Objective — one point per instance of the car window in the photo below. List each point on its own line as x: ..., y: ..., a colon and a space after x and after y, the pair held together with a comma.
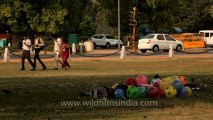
x: 97, y: 36
x: 101, y: 37
x: 169, y: 38
x: 202, y: 33
x: 148, y: 37
x: 109, y: 37
x: 206, y: 34
x: 160, y: 37
x: 94, y: 36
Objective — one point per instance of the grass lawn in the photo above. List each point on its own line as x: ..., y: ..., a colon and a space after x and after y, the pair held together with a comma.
x: 38, y: 95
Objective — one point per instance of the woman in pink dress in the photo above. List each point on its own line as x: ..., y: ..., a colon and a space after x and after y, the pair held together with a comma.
x: 65, y: 53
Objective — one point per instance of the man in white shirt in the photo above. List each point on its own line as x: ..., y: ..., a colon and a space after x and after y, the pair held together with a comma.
x: 26, y: 47
x: 38, y: 44
x: 57, y: 51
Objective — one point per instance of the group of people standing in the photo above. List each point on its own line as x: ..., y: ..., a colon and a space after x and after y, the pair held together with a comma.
x: 61, y: 48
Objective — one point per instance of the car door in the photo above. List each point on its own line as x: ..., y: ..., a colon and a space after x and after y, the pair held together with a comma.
x: 94, y: 39
x: 97, y: 40
x: 102, y: 40
x: 170, y: 41
x: 161, y: 42
x: 210, y: 39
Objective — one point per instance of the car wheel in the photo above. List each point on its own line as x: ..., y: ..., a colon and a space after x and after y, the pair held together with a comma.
x: 179, y: 48
x: 94, y: 45
x: 155, y: 48
x: 143, y: 51
x: 108, y: 45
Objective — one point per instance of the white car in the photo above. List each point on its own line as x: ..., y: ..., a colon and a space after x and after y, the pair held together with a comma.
x: 156, y: 42
x: 105, y: 40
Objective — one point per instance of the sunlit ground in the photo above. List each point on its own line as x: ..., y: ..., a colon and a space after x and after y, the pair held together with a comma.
x: 38, y: 94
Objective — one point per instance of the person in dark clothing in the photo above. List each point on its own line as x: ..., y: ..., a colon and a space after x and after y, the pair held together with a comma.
x: 26, y: 47
x: 39, y: 43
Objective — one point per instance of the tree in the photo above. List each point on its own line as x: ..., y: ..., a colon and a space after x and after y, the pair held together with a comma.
x: 12, y: 18
x: 12, y: 14
x: 88, y: 25
x: 76, y: 10
x: 162, y: 17
x: 46, y: 15
x: 111, y: 12
x: 153, y: 12
x: 194, y: 15
x: 26, y: 16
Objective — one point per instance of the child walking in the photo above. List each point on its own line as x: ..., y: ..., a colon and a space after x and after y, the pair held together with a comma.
x: 65, y: 53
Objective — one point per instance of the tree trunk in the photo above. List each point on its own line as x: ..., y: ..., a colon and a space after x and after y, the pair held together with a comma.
x: 16, y: 42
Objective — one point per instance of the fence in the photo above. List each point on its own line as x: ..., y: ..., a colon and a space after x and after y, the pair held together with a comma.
x: 122, y: 52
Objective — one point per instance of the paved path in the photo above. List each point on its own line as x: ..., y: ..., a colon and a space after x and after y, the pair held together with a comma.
x: 102, y: 52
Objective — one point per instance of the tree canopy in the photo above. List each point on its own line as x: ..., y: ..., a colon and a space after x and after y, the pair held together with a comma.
x: 85, y: 16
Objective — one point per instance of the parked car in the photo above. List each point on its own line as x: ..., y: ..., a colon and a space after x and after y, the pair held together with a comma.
x: 156, y: 42
x: 105, y: 40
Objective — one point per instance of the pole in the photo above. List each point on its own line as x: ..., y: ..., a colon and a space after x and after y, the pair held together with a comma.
x: 6, y: 55
x: 123, y: 52
x: 134, y: 30
x: 119, y: 25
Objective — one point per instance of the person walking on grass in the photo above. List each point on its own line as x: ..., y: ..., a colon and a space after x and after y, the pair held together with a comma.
x: 65, y: 53
x: 39, y: 44
x: 26, y: 47
x: 57, y: 51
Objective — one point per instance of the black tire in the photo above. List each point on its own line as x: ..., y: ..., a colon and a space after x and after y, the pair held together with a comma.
x: 108, y: 45
x: 155, y: 48
x: 94, y: 45
x: 143, y: 51
x: 179, y: 48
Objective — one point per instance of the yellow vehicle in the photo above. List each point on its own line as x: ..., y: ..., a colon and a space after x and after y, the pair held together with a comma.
x: 191, y: 40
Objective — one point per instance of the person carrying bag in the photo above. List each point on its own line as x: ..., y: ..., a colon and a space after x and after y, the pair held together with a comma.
x: 39, y: 45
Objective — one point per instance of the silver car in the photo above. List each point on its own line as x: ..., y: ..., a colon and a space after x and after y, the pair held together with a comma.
x: 105, y: 40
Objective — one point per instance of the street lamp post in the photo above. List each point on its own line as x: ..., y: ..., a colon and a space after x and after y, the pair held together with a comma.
x: 119, y: 25
x: 134, y: 29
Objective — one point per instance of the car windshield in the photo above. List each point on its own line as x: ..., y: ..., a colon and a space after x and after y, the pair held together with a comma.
x: 148, y: 37
x: 109, y: 37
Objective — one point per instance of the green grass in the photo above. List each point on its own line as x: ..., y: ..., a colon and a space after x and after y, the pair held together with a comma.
x: 37, y: 94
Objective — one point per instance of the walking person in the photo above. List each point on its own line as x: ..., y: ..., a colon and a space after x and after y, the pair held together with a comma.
x: 39, y: 44
x: 57, y: 51
x: 26, y: 47
x: 65, y: 53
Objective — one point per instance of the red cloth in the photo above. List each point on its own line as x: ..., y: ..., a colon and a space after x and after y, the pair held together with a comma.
x: 65, y: 47
x: 65, y: 54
